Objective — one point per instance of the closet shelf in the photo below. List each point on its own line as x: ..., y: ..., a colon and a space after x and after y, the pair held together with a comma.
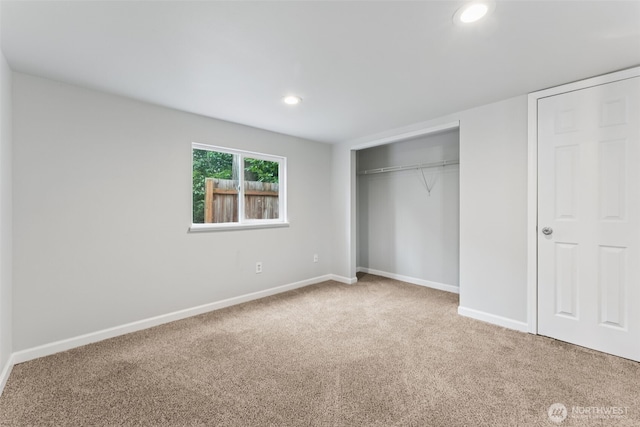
x: 417, y: 166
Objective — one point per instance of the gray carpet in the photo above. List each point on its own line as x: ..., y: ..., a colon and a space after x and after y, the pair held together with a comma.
x: 378, y: 353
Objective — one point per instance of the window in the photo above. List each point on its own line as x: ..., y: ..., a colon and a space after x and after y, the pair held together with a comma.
x: 237, y: 189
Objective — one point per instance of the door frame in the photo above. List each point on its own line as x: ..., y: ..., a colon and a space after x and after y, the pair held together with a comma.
x: 532, y: 181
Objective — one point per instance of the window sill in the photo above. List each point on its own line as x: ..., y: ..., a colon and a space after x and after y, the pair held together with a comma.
x: 197, y: 228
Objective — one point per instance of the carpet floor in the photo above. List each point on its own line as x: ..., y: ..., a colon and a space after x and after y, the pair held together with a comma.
x: 378, y: 353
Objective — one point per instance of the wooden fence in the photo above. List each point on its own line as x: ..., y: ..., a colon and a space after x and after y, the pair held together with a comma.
x: 221, y: 200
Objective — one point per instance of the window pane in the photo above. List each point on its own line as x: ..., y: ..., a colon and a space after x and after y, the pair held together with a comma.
x: 261, y: 189
x: 215, y: 187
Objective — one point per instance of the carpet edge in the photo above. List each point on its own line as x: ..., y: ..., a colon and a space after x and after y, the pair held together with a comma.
x: 415, y: 281
x: 6, y: 371
x: 493, y: 319
x: 103, y: 334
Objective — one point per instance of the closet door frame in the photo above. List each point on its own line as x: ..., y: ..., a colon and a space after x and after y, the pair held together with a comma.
x: 532, y: 185
x: 421, y: 131
x: 408, y: 135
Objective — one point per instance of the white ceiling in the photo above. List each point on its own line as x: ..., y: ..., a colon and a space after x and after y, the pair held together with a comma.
x: 361, y: 67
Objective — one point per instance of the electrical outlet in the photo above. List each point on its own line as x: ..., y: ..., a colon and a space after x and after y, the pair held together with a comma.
x: 258, y: 267
x: 315, y: 257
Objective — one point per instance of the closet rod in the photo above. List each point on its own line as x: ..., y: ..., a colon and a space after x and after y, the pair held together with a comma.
x: 401, y: 168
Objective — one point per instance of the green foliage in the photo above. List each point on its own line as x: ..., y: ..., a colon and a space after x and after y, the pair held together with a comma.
x: 260, y: 170
x: 214, y: 164
x: 208, y: 164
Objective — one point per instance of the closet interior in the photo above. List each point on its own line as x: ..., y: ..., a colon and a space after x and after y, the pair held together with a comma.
x: 408, y: 203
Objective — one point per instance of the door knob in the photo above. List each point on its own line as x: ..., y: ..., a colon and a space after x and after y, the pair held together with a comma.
x: 547, y: 231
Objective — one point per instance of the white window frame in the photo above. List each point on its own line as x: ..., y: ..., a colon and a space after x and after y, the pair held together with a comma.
x: 244, y: 223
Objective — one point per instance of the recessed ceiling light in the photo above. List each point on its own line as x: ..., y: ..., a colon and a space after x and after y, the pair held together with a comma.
x: 473, y: 11
x: 292, y: 100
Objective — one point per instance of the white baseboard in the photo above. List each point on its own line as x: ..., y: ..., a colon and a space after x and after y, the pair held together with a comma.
x: 69, y: 343
x: 413, y: 280
x: 494, y: 319
x: 342, y: 279
x: 6, y: 371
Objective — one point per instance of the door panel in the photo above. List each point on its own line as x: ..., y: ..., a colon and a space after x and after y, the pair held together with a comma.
x: 566, y: 279
x: 567, y: 161
x: 589, y: 194
x: 612, y: 177
x: 613, y: 285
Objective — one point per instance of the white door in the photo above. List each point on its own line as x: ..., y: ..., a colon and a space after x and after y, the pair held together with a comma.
x: 589, y: 203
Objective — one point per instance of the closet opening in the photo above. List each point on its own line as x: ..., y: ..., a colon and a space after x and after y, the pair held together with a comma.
x: 408, y: 210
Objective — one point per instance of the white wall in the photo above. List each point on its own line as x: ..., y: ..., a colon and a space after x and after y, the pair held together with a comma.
x: 402, y: 229
x: 493, y: 207
x: 5, y: 212
x: 343, y: 236
x: 102, y: 204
